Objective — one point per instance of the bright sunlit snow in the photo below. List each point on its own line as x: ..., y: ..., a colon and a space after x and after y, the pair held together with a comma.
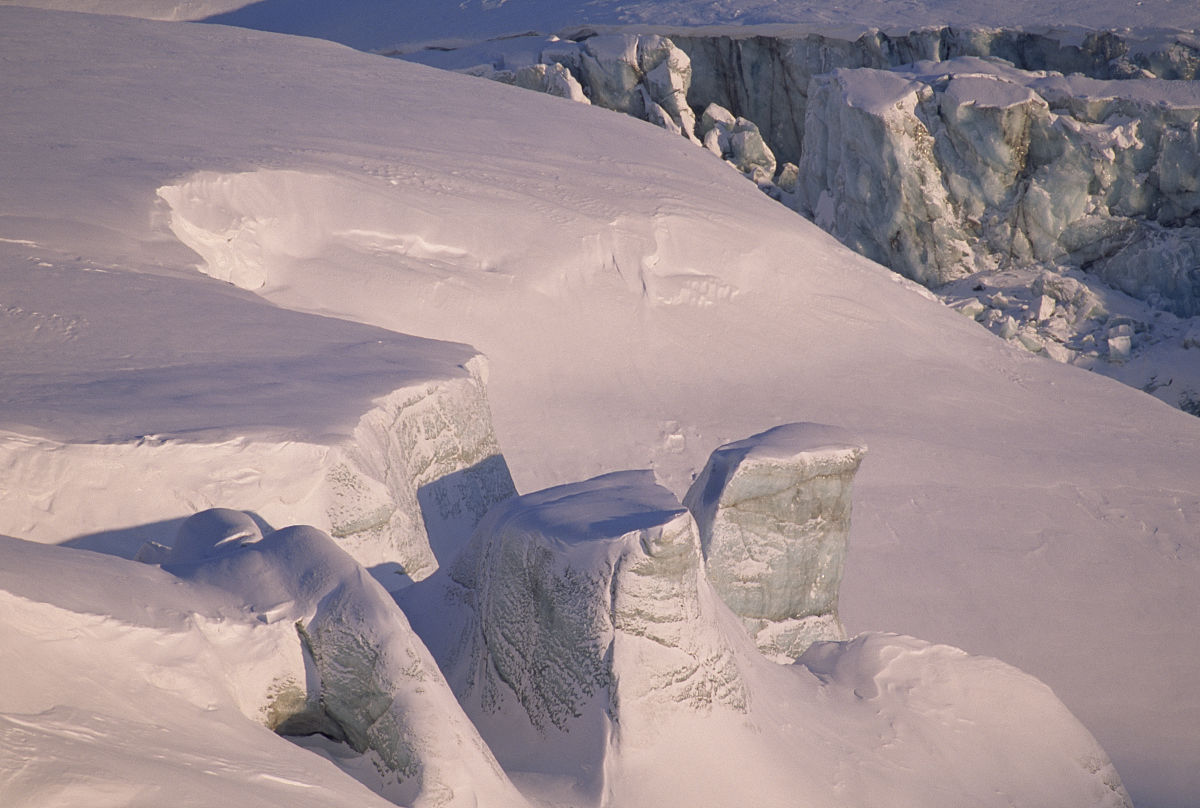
x: 215, y: 244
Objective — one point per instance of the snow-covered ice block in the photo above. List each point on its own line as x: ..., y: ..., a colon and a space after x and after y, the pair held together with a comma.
x: 972, y: 307
x: 1120, y: 347
x: 368, y: 680
x: 774, y: 514
x: 871, y: 177
x: 581, y: 609
x: 161, y: 396
x: 1042, y: 308
x: 1022, y: 167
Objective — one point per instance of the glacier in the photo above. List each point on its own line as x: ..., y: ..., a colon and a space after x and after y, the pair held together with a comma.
x: 584, y: 633
x: 639, y: 305
x: 383, y: 440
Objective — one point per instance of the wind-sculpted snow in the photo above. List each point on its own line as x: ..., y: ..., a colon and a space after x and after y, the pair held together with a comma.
x: 773, y: 512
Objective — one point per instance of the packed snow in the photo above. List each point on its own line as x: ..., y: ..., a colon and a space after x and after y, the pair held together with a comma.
x: 639, y: 305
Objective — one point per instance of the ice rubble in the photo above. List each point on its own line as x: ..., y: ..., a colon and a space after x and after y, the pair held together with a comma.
x: 773, y: 513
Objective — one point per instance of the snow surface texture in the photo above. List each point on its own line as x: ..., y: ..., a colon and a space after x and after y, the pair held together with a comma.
x: 639, y: 303
x: 581, y: 634
x: 773, y: 513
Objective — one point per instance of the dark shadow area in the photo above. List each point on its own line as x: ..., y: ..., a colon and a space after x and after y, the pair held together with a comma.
x: 453, y: 505
x: 125, y: 542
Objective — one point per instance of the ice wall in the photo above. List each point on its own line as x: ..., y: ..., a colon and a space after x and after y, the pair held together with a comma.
x: 926, y: 151
x: 420, y: 471
x: 944, y: 169
x: 581, y: 609
x: 773, y: 512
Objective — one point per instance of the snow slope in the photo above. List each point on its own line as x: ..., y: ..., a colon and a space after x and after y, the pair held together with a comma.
x: 640, y: 305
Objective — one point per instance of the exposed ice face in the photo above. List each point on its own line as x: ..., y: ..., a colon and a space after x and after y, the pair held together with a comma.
x: 774, y: 515
x: 422, y: 469
x: 729, y: 69
x: 1028, y: 168
x: 643, y: 75
x: 577, y: 613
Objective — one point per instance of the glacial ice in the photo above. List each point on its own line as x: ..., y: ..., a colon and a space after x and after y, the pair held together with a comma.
x: 576, y: 611
x: 773, y: 512
x: 1015, y: 164
x: 582, y: 633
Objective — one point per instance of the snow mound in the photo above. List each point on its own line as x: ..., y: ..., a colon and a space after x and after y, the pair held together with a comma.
x: 913, y: 687
x: 773, y: 512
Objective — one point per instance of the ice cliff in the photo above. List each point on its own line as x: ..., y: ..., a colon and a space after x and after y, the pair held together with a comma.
x: 943, y: 169
x: 773, y: 513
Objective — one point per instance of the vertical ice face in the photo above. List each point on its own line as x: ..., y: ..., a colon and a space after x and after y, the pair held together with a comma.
x: 1030, y: 169
x: 422, y: 469
x: 870, y: 175
x: 774, y: 515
